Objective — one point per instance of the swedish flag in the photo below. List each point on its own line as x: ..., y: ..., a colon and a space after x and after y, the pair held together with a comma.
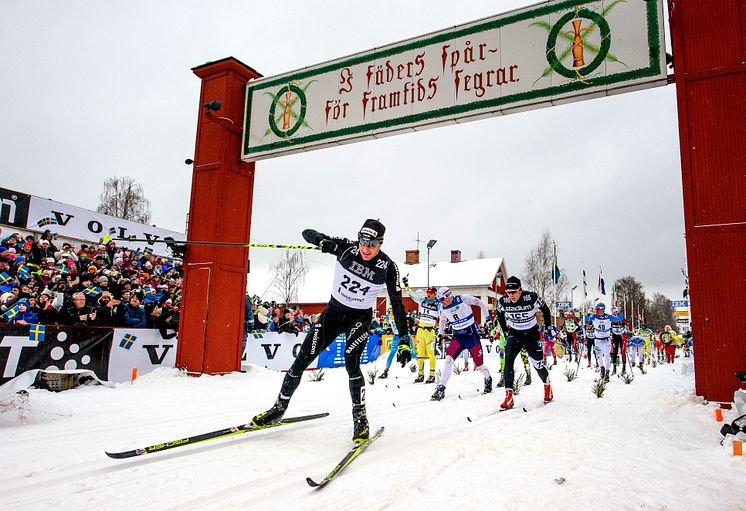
x: 47, y: 221
x: 12, y: 312
x: 257, y: 335
x: 5, y: 278
x: 23, y: 273
x: 63, y: 269
x: 127, y: 341
x: 148, y: 250
x: 92, y: 291
x: 36, y: 333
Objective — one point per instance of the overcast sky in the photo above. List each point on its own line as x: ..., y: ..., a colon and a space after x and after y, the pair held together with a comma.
x: 97, y: 88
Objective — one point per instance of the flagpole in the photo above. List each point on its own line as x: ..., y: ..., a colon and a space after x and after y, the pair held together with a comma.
x: 554, y: 282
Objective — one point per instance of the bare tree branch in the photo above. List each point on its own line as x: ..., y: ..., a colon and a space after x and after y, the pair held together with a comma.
x: 290, y: 274
x: 124, y: 198
x: 537, y: 273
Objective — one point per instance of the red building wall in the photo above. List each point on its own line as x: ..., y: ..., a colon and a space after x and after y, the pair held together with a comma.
x: 709, y: 49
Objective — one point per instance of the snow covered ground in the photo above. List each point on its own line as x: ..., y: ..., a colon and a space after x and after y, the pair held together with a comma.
x: 648, y: 445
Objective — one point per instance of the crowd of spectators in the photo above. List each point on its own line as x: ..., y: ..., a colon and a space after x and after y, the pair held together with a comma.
x: 43, y: 281
x: 263, y: 316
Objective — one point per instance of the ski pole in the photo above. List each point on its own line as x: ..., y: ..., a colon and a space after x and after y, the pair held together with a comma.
x: 219, y: 243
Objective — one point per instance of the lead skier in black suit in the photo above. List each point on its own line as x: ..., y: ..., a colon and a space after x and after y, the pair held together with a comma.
x: 362, y: 270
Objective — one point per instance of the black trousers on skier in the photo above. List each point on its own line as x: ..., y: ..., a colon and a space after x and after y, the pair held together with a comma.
x: 617, y: 347
x: 529, y: 339
x: 589, y: 344
x: 332, y: 322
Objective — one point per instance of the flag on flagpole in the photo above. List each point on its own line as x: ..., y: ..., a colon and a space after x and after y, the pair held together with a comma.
x: 555, y: 268
x: 585, y: 285
x: 601, y: 283
x: 92, y: 290
x: 5, y: 278
x: 23, y: 273
x: 686, y: 283
x: 12, y: 312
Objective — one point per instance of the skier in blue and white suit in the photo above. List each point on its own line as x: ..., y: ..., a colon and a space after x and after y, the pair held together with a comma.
x: 602, y: 330
x: 636, y: 344
x: 456, y: 309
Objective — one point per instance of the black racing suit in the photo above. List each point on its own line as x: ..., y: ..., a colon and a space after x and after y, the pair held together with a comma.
x: 350, y: 311
x: 518, y: 321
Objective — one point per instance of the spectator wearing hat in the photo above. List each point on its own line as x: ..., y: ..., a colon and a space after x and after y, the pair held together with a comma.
x: 261, y: 319
x: 134, y: 313
x: 67, y: 252
x: 11, y: 241
x: 24, y: 315
x: 42, y: 250
x: 107, y: 313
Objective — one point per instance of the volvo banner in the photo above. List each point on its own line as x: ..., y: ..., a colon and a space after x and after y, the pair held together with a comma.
x: 554, y: 52
x: 37, y: 214
x: 110, y: 353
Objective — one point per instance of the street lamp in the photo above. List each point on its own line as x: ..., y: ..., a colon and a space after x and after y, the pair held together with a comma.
x: 430, y: 244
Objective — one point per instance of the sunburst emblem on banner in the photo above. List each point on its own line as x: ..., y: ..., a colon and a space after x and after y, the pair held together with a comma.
x: 581, y: 56
x: 287, y: 113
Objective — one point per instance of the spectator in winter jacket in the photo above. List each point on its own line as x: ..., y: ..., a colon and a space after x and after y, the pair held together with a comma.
x: 107, y: 312
x: 46, y: 313
x: 78, y: 313
x: 167, y: 321
x: 134, y: 314
x: 287, y: 323
x: 24, y: 315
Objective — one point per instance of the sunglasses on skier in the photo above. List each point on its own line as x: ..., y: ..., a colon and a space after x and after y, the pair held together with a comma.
x: 369, y: 242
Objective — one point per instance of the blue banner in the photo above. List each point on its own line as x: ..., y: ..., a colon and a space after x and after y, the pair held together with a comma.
x: 334, y: 355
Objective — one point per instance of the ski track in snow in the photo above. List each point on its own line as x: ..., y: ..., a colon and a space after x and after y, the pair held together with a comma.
x: 648, y: 445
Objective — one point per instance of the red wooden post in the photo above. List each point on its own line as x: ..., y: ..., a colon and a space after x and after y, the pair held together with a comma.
x: 214, y: 288
x: 709, y: 50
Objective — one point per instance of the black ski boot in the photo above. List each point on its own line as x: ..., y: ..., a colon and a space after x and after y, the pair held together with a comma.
x: 528, y: 378
x: 614, y: 371
x: 360, y: 432
x: 384, y: 374
x: 601, y: 375
x: 430, y: 379
x: 624, y: 369
x: 606, y: 376
x: 272, y: 415
x: 420, y: 378
x: 488, y: 385
x: 440, y: 393
x: 501, y: 383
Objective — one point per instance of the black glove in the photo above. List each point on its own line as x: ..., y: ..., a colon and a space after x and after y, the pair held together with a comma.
x: 403, y: 353
x: 328, y: 246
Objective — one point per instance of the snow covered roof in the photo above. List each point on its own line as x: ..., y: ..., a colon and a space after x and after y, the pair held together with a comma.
x: 318, y: 282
